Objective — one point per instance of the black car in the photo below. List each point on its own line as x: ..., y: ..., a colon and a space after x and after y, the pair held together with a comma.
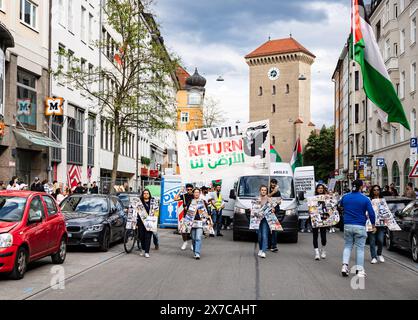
x: 125, y: 198
x: 94, y: 220
x: 407, y: 238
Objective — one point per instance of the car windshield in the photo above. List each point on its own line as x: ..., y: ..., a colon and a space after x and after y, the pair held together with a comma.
x: 96, y: 205
x: 397, y: 206
x: 249, y: 187
x: 124, y: 198
x: 11, y: 208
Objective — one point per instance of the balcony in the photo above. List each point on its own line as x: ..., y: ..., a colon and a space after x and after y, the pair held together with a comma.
x: 392, y: 64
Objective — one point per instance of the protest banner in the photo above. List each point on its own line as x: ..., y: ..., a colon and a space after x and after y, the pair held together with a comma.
x: 304, y: 178
x: 220, y: 152
x: 323, y: 211
x: 150, y: 219
x: 384, y: 217
x: 259, y: 212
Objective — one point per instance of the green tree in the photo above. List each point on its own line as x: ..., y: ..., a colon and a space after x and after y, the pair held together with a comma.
x: 136, y: 88
x: 320, y: 152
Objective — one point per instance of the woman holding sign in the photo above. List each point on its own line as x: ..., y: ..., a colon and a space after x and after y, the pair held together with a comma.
x: 147, y: 220
x: 320, y: 190
x: 378, y: 235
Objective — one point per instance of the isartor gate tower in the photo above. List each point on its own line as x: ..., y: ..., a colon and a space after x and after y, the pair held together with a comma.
x: 280, y: 90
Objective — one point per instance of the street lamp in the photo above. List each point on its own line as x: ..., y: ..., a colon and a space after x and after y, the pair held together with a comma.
x: 220, y: 79
x: 302, y: 77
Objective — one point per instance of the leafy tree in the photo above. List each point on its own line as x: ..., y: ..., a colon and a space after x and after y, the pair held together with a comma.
x: 320, y: 152
x: 213, y: 115
x: 136, y: 88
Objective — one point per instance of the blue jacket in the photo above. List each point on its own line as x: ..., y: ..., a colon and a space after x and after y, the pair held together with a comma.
x: 355, y: 205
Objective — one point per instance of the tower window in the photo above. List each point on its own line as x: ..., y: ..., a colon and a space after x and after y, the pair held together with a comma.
x: 260, y: 91
x: 273, y: 108
x: 273, y: 140
x: 287, y: 89
x: 274, y: 90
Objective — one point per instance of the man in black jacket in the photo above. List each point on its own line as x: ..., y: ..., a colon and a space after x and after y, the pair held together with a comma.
x: 37, y: 185
x: 79, y: 189
x: 94, y: 188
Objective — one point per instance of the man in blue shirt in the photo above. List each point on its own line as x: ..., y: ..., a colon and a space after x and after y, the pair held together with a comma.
x: 355, y: 205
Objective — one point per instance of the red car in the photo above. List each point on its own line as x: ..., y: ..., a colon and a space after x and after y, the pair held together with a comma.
x: 31, y: 227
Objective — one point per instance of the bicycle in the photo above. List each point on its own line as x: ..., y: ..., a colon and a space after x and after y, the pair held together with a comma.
x: 130, y: 238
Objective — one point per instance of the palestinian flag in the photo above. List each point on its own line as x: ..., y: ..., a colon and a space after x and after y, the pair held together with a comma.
x: 274, y: 155
x: 297, y: 160
x: 377, y: 84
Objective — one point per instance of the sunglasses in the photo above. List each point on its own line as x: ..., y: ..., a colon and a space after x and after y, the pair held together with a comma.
x: 189, y: 189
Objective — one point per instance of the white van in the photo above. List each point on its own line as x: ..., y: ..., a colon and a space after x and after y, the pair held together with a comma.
x: 247, y: 189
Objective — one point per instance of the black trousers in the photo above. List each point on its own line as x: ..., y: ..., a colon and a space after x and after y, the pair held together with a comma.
x: 315, y: 233
x: 144, y: 236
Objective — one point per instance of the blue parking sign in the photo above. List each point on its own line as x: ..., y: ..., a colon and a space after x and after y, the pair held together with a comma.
x: 380, y: 162
x: 414, y: 143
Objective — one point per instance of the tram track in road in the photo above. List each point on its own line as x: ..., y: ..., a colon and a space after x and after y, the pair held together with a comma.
x: 74, y: 276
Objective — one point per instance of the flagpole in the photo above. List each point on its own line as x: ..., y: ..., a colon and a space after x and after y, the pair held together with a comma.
x: 353, y: 26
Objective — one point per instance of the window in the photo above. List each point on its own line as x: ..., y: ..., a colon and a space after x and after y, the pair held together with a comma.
x: 36, y: 208
x: 402, y: 85
x: 75, y: 128
x: 393, y: 129
x: 357, y: 80
x: 102, y: 133
x: 91, y: 24
x: 61, y: 12
x: 387, y: 17
x: 28, y: 13
x: 26, y: 91
x: 107, y: 136
x: 413, y: 77
x: 378, y: 29
x: 395, y: 49
x: 402, y: 39
x: 260, y: 91
x: 356, y: 117
x: 90, y: 140
x: 364, y: 111
x: 273, y: 108
x: 50, y: 205
x: 83, y: 24
x: 406, y: 170
x: 387, y: 49
x: 57, y: 123
x: 385, y: 176
x: 273, y: 140
x: 395, y: 176
x: 413, y: 30
x: 287, y: 89
x: 413, y: 123
x: 70, y: 15
x: 184, y: 117
x: 274, y: 90
x: 395, y: 10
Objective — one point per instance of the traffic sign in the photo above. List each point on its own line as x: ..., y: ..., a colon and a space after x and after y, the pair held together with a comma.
x: 413, y: 143
x: 414, y: 172
x: 380, y: 162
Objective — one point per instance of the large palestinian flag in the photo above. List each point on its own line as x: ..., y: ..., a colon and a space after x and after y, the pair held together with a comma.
x: 297, y: 160
x: 377, y: 84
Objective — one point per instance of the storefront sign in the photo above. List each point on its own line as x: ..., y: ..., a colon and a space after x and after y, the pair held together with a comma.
x: 54, y: 107
x: 144, y: 172
x: 154, y: 173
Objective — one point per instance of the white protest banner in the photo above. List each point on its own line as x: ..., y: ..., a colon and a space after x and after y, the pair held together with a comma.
x: 220, y: 152
x: 305, y: 180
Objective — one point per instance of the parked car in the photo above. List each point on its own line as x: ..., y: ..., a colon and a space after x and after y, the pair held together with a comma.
x: 125, y: 198
x: 31, y: 227
x: 407, y: 238
x: 94, y: 220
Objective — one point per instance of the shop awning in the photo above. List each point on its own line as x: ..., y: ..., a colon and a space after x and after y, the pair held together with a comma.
x: 30, y: 138
x: 6, y: 38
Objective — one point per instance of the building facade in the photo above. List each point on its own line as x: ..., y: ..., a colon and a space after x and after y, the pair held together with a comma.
x: 280, y: 90
x: 394, y: 24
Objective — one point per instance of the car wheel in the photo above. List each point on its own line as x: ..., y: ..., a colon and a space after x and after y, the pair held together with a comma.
x: 21, y: 264
x: 414, y: 247
x: 105, y: 245
x: 59, y: 256
x: 389, y: 241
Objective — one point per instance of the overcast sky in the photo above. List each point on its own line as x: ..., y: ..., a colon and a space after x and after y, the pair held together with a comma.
x: 215, y: 35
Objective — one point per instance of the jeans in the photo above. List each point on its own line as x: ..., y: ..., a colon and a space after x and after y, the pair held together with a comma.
x: 155, y: 238
x: 217, y: 221
x: 263, y: 235
x: 197, y: 234
x: 354, y: 236
x: 378, y: 237
x: 315, y: 233
x: 272, y: 242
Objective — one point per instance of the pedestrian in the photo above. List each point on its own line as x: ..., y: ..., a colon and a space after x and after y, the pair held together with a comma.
x: 379, y: 234
x: 59, y: 196
x: 47, y: 188
x: 320, y: 190
x: 94, y: 188
x: 355, y: 206
x: 274, y: 193
x: 393, y: 190
x: 187, y: 199
x: 67, y: 191
x: 2, y: 185
x: 150, y: 208
x: 409, y: 191
x: 218, y: 204
x: 386, y: 192
x: 13, y: 184
x: 55, y: 186
x: 37, y: 185
x: 200, y: 215
x: 79, y: 189
x: 264, y: 207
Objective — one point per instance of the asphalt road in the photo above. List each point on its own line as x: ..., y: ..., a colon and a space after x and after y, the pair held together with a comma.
x: 227, y: 270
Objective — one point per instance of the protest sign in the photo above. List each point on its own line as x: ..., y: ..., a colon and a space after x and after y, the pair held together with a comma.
x: 384, y: 217
x: 220, y: 152
x: 259, y: 212
x: 323, y: 211
x: 304, y: 178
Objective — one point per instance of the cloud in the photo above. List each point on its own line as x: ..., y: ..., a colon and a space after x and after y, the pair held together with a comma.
x: 216, y: 35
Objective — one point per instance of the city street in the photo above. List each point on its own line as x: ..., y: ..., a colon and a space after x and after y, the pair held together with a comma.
x: 227, y: 270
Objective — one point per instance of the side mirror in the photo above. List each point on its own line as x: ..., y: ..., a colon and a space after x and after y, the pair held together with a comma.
x: 301, y: 196
x: 35, y: 217
x: 232, y: 194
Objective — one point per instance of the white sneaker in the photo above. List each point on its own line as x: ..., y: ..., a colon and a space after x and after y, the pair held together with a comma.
x: 147, y: 255
x: 344, y: 271
x: 259, y: 253
x: 374, y: 261
x: 184, y: 246
x: 317, y: 257
x: 323, y: 254
x: 263, y: 254
x: 197, y: 256
x: 381, y: 259
x: 361, y: 274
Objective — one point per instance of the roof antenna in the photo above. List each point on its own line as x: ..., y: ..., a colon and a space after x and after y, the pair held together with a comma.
x: 269, y: 37
x: 290, y: 34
